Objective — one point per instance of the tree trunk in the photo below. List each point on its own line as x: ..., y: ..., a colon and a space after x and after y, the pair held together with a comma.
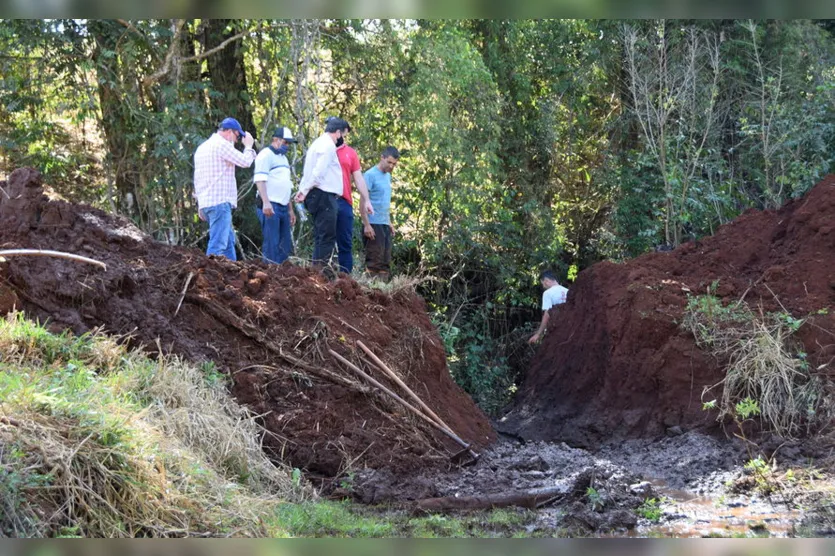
x: 228, y: 74
x: 116, y: 115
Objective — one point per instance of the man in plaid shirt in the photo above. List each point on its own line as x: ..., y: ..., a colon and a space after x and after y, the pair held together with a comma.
x: 214, y: 183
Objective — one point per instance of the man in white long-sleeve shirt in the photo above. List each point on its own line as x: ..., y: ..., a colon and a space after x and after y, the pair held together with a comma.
x: 214, y: 183
x: 321, y: 187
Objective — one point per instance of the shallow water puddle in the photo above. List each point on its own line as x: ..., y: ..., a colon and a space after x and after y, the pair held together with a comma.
x: 686, y: 514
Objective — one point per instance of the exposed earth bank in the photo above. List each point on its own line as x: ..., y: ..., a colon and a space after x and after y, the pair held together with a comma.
x: 268, y: 327
x: 616, y: 363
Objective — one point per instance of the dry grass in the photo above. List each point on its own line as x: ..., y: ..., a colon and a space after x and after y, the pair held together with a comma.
x: 99, y: 441
x: 763, y: 360
x: 396, y: 284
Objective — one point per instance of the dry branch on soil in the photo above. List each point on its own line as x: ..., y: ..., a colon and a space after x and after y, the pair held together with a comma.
x: 525, y: 499
x: 48, y: 253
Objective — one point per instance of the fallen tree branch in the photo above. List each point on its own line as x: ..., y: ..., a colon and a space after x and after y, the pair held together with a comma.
x: 48, y: 253
x: 525, y: 499
x: 227, y: 317
x: 392, y: 375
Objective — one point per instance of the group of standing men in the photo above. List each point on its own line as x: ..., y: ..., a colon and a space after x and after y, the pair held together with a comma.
x: 325, y: 189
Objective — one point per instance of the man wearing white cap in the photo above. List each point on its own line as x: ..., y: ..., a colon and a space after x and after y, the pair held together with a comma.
x: 214, y: 183
x: 274, y: 182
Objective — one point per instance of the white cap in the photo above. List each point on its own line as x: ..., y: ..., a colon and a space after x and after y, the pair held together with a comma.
x: 285, y: 133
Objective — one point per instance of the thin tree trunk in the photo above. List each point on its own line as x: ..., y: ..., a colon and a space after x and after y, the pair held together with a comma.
x: 228, y: 74
x: 116, y: 116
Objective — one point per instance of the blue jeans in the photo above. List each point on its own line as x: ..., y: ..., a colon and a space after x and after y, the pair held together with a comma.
x: 221, y: 234
x: 345, y: 235
x: 277, y: 244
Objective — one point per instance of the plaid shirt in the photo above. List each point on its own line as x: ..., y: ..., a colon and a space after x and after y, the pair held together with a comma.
x: 214, y: 171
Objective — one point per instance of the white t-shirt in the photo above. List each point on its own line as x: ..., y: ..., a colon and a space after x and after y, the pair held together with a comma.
x: 274, y: 169
x: 554, y: 295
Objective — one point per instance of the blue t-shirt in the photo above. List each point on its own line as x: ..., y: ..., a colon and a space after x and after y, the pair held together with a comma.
x: 379, y: 192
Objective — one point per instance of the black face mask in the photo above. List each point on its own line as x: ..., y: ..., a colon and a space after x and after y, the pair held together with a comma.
x: 340, y: 142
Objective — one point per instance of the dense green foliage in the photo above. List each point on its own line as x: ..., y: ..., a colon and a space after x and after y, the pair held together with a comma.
x: 527, y: 144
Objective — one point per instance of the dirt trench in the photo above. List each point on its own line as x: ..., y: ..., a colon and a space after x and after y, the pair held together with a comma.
x: 268, y: 327
x: 616, y: 364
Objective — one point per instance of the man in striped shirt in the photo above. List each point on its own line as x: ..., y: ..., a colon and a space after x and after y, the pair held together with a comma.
x: 214, y: 183
x: 274, y: 181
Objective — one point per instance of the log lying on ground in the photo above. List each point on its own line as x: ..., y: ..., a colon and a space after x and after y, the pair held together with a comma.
x: 525, y: 499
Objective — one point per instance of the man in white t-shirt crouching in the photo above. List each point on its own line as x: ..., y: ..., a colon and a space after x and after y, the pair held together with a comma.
x: 554, y: 294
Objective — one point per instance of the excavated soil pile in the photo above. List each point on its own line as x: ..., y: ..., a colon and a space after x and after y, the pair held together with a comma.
x: 616, y: 363
x: 268, y: 327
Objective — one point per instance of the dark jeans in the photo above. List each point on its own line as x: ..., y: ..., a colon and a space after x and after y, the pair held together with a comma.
x: 323, y: 209
x: 278, y: 245
x: 345, y: 235
x: 378, y: 250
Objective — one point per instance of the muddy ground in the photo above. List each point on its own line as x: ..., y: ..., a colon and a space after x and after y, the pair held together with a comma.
x: 611, y: 404
x: 700, y: 481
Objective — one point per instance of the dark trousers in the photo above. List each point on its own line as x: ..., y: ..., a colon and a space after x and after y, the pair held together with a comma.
x: 345, y: 235
x: 277, y: 244
x: 378, y: 251
x: 323, y: 210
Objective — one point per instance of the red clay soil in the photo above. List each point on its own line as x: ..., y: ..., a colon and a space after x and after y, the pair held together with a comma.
x: 616, y: 363
x: 267, y: 326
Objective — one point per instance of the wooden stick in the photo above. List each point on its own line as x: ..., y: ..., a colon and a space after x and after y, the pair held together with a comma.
x: 527, y: 499
x: 392, y: 375
x: 183, y: 294
x: 48, y: 253
x: 403, y: 402
x: 373, y: 365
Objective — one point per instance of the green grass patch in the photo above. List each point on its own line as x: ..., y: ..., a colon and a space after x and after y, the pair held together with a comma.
x: 330, y: 519
x: 344, y: 519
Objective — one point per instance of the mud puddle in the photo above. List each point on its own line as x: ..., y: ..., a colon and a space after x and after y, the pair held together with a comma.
x: 683, y: 513
x: 703, y: 516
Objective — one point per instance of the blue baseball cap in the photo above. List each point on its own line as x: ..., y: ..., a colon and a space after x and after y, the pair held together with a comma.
x: 232, y: 123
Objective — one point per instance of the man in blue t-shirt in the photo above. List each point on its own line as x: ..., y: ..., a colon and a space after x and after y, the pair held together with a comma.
x: 377, y: 228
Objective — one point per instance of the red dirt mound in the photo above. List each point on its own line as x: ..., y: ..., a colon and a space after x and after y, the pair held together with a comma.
x: 616, y: 363
x: 268, y: 327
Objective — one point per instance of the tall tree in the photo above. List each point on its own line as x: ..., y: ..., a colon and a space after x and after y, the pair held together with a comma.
x: 227, y: 73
